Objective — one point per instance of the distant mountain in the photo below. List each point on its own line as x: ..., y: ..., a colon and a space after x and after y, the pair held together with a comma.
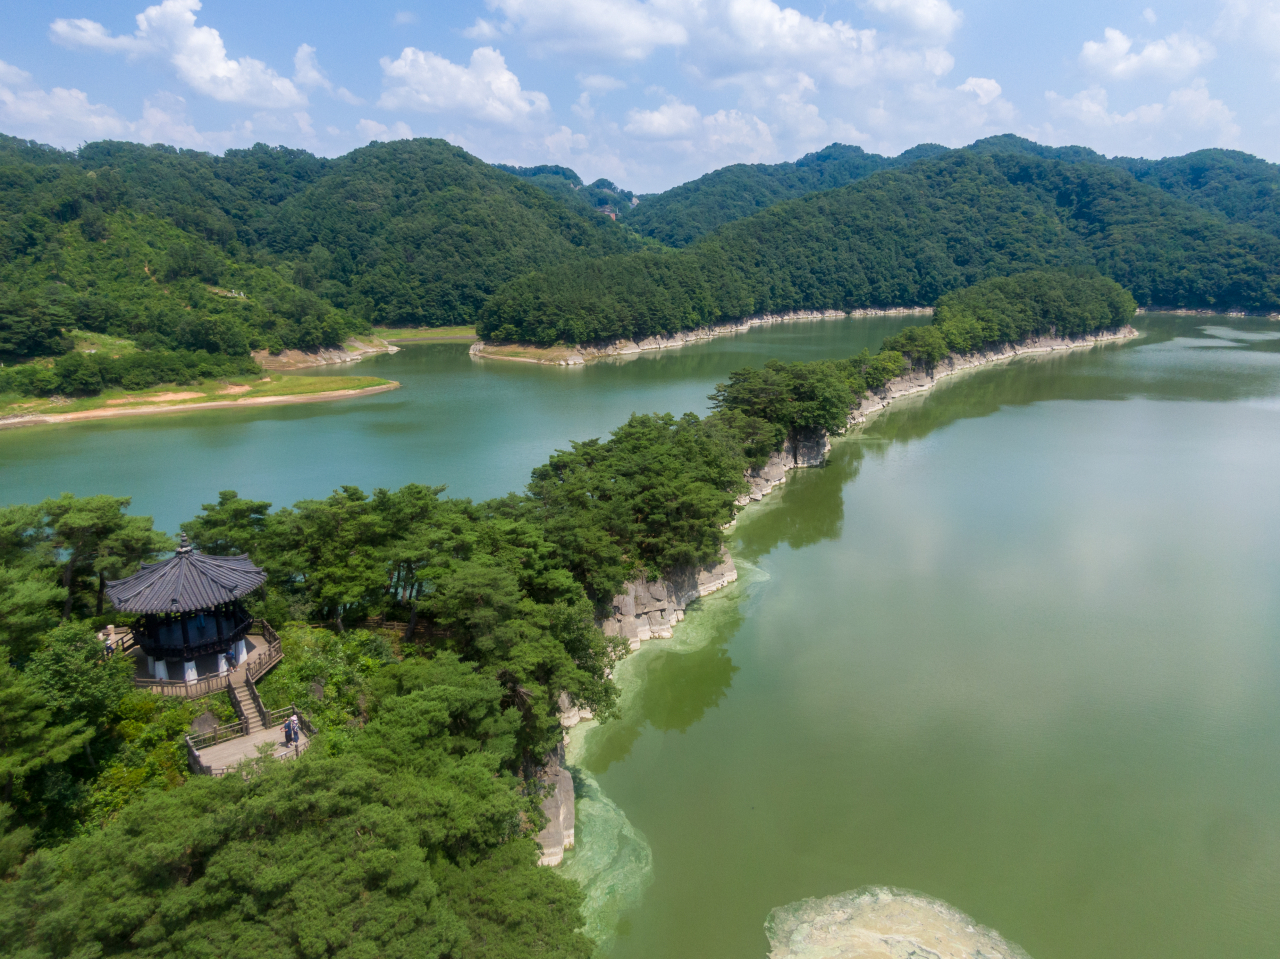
x: 602, y: 196
x: 1243, y: 188
x: 414, y: 232
x: 905, y: 237
x: 684, y: 213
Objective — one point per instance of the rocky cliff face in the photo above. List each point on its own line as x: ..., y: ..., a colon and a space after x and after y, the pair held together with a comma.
x: 558, y: 806
x: 917, y: 381
x: 810, y: 448
x: 649, y: 609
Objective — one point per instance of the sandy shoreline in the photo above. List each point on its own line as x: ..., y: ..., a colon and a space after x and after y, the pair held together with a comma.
x: 39, y: 419
x: 580, y: 354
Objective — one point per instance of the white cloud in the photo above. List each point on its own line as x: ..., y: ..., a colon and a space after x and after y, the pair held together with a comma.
x: 404, y: 18
x: 306, y: 69
x: 630, y: 29
x: 727, y: 133
x: 1176, y: 55
x: 1149, y: 15
x: 485, y: 89
x: 1256, y: 21
x: 483, y: 29
x: 1188, y: 110
x: 669, y: 121
x: 583, y: 108
x: 935, y: 17
x: 307, y: 73
x: 373, y: 130
x: 747, y: 136
x: 599, y: 82
x: 984, y: 89
x: 64, y: 116
x: 561, y: 144
x: 197, y: 53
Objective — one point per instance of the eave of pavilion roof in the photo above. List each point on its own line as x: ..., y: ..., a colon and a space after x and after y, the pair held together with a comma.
x: 186, y: 582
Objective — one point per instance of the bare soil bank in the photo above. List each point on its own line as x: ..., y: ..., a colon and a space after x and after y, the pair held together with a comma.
x: 39, y: 419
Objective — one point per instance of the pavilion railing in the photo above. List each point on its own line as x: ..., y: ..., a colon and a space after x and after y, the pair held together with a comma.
x: 197, y: 767
x: 272, y: 655
x: 219, y: 734
x: 176, y: 687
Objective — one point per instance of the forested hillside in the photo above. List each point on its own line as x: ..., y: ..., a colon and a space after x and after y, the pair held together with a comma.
x: 681, y: 215
x: 601, y: 196
x: 1242, y: 188
x: 901, y: 238
x: 411, y: 233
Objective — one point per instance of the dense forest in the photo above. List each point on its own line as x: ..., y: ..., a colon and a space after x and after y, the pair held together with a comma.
x: 189, y: 262
x: 902, y: 238
x: 684, y: 213
x: 601, y: 196
x: 1243, y: 188
x: 406, y: 829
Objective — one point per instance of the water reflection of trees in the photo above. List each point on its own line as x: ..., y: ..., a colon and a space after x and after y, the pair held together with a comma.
x: 808, y: 509
x: 673, y: 688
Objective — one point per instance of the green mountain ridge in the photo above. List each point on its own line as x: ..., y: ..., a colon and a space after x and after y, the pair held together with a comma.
x: 902, y: 238
x: 421, y: 233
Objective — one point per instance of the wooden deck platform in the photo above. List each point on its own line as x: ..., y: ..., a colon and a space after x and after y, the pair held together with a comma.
x: 226, y: 755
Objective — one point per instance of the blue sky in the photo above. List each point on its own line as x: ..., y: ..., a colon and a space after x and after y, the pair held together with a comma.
x: 647, y: 92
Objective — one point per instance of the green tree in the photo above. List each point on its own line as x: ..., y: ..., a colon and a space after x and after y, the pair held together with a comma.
x: 29, y: 738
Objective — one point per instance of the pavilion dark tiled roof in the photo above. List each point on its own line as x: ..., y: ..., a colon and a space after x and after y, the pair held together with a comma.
x: 188, y: 581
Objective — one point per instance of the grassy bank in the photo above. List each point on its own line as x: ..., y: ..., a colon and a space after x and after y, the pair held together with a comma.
x: 426, y: 334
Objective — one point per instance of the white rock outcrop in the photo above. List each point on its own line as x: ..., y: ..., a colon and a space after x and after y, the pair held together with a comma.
x: 918, y: 381
x: 649, y: 609
x: 557, y: 836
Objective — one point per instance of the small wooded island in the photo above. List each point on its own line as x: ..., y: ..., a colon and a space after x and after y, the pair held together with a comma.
x: 439, y: 646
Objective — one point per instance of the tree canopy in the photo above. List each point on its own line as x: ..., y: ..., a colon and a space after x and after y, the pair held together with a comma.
x: 902, y: 238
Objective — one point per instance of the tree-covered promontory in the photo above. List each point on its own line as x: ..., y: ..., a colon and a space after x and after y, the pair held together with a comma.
x: 904, y: 238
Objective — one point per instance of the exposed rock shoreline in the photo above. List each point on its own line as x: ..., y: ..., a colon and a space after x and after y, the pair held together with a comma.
x: 356, y: 348
x: 578, y: 355
x: 649, y: 609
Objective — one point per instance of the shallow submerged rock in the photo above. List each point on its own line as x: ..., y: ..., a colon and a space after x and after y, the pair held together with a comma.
x: 877, y: 922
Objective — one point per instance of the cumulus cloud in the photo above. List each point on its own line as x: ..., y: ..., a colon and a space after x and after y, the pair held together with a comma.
x: 674, y: 119
x: 1189, y: 110
x: 307, y: 74
x: 484, y: 29
x: 631, y: 29
x: 984, y: 89
x: 743, y: 136
x: 373, y: 130
x: 57, y: 115
x: 1175, y: 56
x: 1255, y: 21
x: 936, y: 17
x: 197, y: 54
x: 485, y: 89
x: 67, y: 117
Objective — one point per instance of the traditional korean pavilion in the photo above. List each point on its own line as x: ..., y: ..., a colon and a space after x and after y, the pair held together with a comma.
x: 190, y: 606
